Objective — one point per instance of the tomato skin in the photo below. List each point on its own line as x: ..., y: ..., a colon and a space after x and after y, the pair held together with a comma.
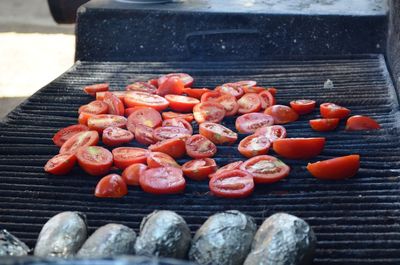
x: 170, y: 115
x: 198, y: 146
x: 249, y: 102
x: 136, y: 98
x: 299, y: 148
x: 115, y: 105
x: 267, y: 99
x: 229, y: 103
x: 232, y: 184
x: 250, y: 122
x: 84, y: 117
x: 178, y: 122
x: 199, y: 169
x: 278, y: 169
x: 336, y: 168
x: 303, y: 106
x: 93, y: 89
x: 94, y: 160
x: 361, y: 123
x: 173, y: 85
x: 230, y: 166
x: 143, y: 134
x: 272, y: 132
x: 114, y: 136
x: 195, y: 92
x: 146, y: 116
x: 158, y: 159
x: 254, y: 145
x: 102, y: 121
x: 170, y: 132
x: 120, y: 94
x: 233, y: 89
x: 324, y: 125
x: 185, y: 78
x: 132, y: 173
x: 94, y: 107
x: 153, y: 82
x: 163, y: 180
x: 172, y: 147
x: 142, y: 86
x: 126, y: 156
x: 60, y: 164
x: 64, y: 134
x: 272, y: 90
x: 210, y: 96
x: 209, y: 111
x: 87, y: 138
x: 217, y: 133
x: 282, y: 114
x: 111, y: 186
x: 331, y: 110
x: 181, y: 103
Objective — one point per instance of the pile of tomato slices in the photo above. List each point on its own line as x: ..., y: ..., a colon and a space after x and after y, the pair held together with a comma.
x: 160, y: 113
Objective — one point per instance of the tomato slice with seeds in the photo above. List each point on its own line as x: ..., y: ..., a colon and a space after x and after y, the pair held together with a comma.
x: 198, y: 146
x: 282, y: 114
x: 185, y: 78
x: 217, y: 133
x: 233, y: 89
x: 266, y: 169
x: 126, y: 156
x: 229, y: 103
x: 111, y: 186
x: 331, y: 110
x: 254, y: 145
x: 246, y: 83
x: 60, y: 164
x: 163, y: 180
x: 94, y: 160
x: 361, y: 123
x: 181, y: 103
x: 173, y: 85
x: 143, y: 134
x: 173, y: 147
x: 267, y: 99
x: 102, y: 121
x: 195, y: 92
x: 208, y: 111
x: 250, y: 102
x: 114, y: 136
x: 93, y: 89
x: 210, y: 96
x: 128, y: 111
x: 230, y: 166
x: 250, y: 122
x: 115, y: 105
x: 120, y: 94
x: 232, y: 184
x: 146, y: 116
x: 254, y: 89
x: 272, y: 132
x: 94, y: 107
x: 132, y: 173
x: 65, y: 133
x: 87, y: 138
x: 84, y: 117
x: 142, y: 87
x: 303, y: 106
x: 299, y: 148
x: 170, y: 115
x: 324, y: 125
x: 158, y: 159
x: 178, y: 122
x: 199, y: 169
x: 170, y: 132
x: 136, y: 98
x: 336, y: 168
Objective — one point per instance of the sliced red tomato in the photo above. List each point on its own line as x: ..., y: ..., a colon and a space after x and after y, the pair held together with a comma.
x: 115, y: 105
x: 94, y: 107
x: 94, y: 160
x: 303, y: 106
x: 267, y: 99
x: 246, y: 83
x: 172, y: 147
x: 250, y: 102
x: 128, y: 111
x: 233, y: 89
x: 299, y: 148
x: 210, y: 96
x: 164, y: 133
x: 143, y: 134
x: 146, y: 116
x: 282, y: 114
x: 185, y: 78
x: 93, y: 89
x: 65, y: 133
x: 111, y: 186
x: 199, y: 169
x: 254, y: 145
x: 102, y: 121
x: 126, y: 156
x: 178, y: 122
x: 84, y: 117
x: 142, y: 86
x: 272, y: 132
x: 331, y: 110
x: 336, y: 168
x: 137, y: 98
x: 87, y: 138
x: 250, y: 122
x: 60, y: 164
x: 230, y: 166
x: 361, y: 123
x: 114, y: 136
x: 232, y: 184
x: 153, y: 82
x: 217, y: 133
x: 195, y: 92
x: 173, y: 85
x: 209, y: 111
x: 324, y: 125
x: 229, y: 103
x: 163, y: 180
x: 181, y: 103
x: 120, y: 94
x: 170, y: 115
x: 198, y: 146
x: 132, y: 173
x: 272, y: 90
x: 158, y: 159
x: 265, y: 169
x: 254, y: 89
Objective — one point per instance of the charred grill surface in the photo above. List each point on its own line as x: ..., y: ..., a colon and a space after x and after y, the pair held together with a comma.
x: 355, y: 221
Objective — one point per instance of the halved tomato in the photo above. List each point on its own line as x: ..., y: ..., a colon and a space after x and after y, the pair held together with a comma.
x: 137, y: 98
x: 65, y: 133
x: 60, y: 164
x: 217, y: 133
x: 361, y: 123
x: 195, y: 92
x: 199, y: 169
x: 126, y: 156
x: 115, y: 105
x: 178, y: 122
x: 232, y: 184
x: 254, y: 89
x: 250, y: 122
x: 146, y: 116
x: 185, y: 78
x: 114, y: 136
x: 84, y: 117
x: 143, y: 134
x: 210, y: 96
x: 272, y: 132
x: 128, y: 111
x: 209, y: 111
x: 173, y: 147
x: 265, y: 169
x: 233, y: 89
x: 158, y: 159
x: 331, y: 110
x: 94, y: 160
x: 303, y: 106
x: 250, y: 102
x: 87, y: 138
x: 120, y: 94
x: 94, y: 107
x: 153, y: 82
x: 142, y: 86
x: 272, y: 90
x: 102, y: 121
x: 282, y: 114
x: 170, y: 132
x: 324, y: 125
x: 198, y: 146
x: 132, y: 173
x: 336, y: 168
x: 267, y: 99
x: 93, y: 89
x: 173, y: 85
x: 111, y: 186
x: 163, y: 180
x: 246, y: 83
x: 181, y: 103
x: 254, y: 145
x: 229, y: 103
x: 170, y: 115
x: 230, y: 166
x: 299, y: 148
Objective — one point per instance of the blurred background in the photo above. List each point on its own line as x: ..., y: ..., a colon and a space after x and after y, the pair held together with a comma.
x: 34, y: 50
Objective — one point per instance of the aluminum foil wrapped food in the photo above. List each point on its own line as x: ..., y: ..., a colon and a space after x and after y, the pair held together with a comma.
x: 11, y: 246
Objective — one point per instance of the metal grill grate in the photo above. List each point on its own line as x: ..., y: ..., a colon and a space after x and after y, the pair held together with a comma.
x: 356, y: 221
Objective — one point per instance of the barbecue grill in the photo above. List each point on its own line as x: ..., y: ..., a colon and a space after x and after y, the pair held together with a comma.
x: 356, y: 221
